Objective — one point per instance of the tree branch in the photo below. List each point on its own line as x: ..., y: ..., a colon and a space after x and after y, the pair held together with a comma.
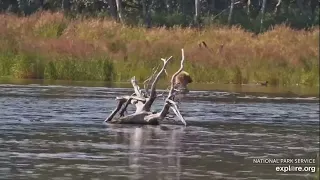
x: 153, y: 95
x: 136, y: 87
x: 133, y: 98
x: 125, y: 107
x: 128, y: 100
x: 114, y: 112
x: 175, y: 109
x: 171, y: 91
x: 169, y: 103
x: 146, y: 83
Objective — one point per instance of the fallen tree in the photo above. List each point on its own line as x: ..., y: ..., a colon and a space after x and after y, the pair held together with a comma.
x: 144, y: 98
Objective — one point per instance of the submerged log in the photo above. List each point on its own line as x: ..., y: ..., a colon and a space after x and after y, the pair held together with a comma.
x: 143, y: 100
x: 138, y: 118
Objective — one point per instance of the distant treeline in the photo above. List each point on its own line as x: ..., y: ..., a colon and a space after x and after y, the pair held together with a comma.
x: 254, y: 15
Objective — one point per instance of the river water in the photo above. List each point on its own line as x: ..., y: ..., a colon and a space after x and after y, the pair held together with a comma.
x: 58, y: 132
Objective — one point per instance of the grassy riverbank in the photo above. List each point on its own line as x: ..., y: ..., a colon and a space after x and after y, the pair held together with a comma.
x: 50, y: 46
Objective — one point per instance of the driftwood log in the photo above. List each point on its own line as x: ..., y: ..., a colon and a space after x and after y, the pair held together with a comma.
x: 143, y: 99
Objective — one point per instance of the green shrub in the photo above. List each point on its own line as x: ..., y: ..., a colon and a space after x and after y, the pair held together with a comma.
x: 28, y: 66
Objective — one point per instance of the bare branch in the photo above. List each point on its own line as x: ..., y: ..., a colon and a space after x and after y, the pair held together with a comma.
x: 146, y: 83
x: 124, y: 109
x: 114, y: 112
x: 135, y: 86
x: 176, y: 74
x: 169, y: 102
x: 175, y: 109
x: 132, y: 98
x: 127, y: 100
x: 153, y: 86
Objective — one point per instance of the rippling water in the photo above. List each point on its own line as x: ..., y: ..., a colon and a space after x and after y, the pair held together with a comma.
x: 57, y: 132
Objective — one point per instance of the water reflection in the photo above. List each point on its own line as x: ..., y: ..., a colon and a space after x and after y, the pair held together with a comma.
x: 152, y: 151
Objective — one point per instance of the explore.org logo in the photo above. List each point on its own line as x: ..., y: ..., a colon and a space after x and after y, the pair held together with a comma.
x: 290, y: 165
x: 291, y: 168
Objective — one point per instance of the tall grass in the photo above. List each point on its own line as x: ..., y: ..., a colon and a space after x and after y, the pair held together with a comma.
x: 50, y: 46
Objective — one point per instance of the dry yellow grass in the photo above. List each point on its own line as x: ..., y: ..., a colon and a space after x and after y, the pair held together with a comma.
x: 229, y: 52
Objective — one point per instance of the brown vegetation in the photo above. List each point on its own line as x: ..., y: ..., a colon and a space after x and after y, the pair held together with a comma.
x: 281, y: 55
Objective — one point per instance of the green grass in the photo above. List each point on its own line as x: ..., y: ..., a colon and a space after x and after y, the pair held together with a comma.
x: 24, y: 65
x: 30, y: 66
x: 50, y: 46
